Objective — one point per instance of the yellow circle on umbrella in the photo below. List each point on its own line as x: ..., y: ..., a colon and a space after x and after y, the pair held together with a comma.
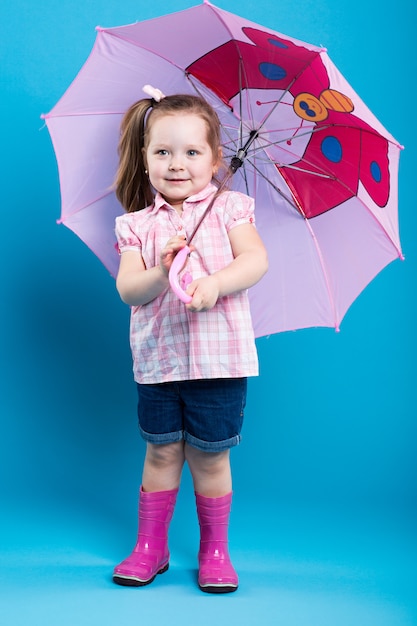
x: 336, y: 101
x: 310, y: 108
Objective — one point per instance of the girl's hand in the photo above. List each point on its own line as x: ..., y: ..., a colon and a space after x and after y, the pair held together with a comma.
x: 172, y: 246
x: 205, y: 292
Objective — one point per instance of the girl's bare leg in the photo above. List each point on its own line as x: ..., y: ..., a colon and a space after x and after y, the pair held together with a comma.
x: 163, y: 466
x: 211, y: 471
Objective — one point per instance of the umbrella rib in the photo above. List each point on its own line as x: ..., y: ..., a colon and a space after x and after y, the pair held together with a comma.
x: 244, y: 175
x: 284, y: 140
x: 325, y: 274
x: 107, y: 31
x: 305, y: 171
x: 240, y: 101
x: 397, y: 248
x: 85, y: 206
x: 290, y: 200
x: 82, y: 114
x: 277, y: 102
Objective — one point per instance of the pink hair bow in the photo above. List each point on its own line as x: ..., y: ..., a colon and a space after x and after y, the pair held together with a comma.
x: 153, y: 92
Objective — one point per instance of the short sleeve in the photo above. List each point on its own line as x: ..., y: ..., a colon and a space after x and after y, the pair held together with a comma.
x: 239, y: 209
x: 127, y: 239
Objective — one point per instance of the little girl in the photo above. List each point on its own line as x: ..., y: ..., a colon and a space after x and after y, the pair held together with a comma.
x: 191, y: 361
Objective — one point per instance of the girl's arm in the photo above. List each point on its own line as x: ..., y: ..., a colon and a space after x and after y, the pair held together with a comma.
x: 247, y: 268
x: 136, y: 284
x: 250, y: 262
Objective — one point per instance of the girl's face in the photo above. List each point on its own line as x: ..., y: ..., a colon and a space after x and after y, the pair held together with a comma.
x: 179, y: 159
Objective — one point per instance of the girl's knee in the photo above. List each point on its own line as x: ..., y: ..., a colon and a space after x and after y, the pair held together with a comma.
x: 207, y: 461
x: 211, y: 472
x: 165, y: 455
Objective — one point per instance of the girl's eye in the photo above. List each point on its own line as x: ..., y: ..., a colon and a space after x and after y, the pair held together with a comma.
x: 162, y: 152
x: 192, y: 152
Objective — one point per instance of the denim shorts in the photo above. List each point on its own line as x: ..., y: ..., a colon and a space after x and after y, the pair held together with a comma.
x: 207, y: 414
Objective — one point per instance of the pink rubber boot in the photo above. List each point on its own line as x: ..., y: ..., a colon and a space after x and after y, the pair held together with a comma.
x: 216, y: 573
x: 150, y: 555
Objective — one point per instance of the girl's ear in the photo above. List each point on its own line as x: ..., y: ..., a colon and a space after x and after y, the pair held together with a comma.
x: 217, y: 163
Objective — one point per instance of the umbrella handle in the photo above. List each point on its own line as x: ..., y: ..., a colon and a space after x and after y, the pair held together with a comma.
x: 177, y: 265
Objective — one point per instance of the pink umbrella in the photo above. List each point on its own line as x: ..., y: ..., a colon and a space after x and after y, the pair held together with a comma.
x: 322, y: 169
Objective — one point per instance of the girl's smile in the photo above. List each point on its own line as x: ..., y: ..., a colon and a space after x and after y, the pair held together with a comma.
x: 179, y: 158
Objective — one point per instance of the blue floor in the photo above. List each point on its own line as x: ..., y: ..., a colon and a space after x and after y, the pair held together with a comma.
x: 299, y: 567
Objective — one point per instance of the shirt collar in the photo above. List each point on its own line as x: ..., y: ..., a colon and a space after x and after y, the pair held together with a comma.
x: 204, y: 194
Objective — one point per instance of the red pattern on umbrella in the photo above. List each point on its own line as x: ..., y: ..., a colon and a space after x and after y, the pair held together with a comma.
x: 342, y: 151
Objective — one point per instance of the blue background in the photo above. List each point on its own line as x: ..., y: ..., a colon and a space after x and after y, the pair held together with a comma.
x: 324, y: 520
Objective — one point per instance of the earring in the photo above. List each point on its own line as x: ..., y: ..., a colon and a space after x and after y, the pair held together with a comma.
x: 146, y: 172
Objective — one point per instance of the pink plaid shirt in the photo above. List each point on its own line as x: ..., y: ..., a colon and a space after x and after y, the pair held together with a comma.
x: 169, y: 342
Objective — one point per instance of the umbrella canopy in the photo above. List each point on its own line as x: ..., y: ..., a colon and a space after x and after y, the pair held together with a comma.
x: 322, y: 169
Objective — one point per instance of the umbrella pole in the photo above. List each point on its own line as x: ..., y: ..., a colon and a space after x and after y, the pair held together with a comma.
x: 237, y: 160
x: 235, y: 163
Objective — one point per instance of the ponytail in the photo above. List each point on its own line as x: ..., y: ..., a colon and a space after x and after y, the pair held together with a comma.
x: 132, y: 186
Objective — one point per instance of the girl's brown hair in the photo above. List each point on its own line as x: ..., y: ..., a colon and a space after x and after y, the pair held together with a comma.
x: 132, y: 185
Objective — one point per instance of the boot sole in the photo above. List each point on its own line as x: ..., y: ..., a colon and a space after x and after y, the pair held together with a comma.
x: 218, y: 589
x: 131, y: 581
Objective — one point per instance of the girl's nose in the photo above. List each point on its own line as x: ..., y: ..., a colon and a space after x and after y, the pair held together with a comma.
x: 176, y: 164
